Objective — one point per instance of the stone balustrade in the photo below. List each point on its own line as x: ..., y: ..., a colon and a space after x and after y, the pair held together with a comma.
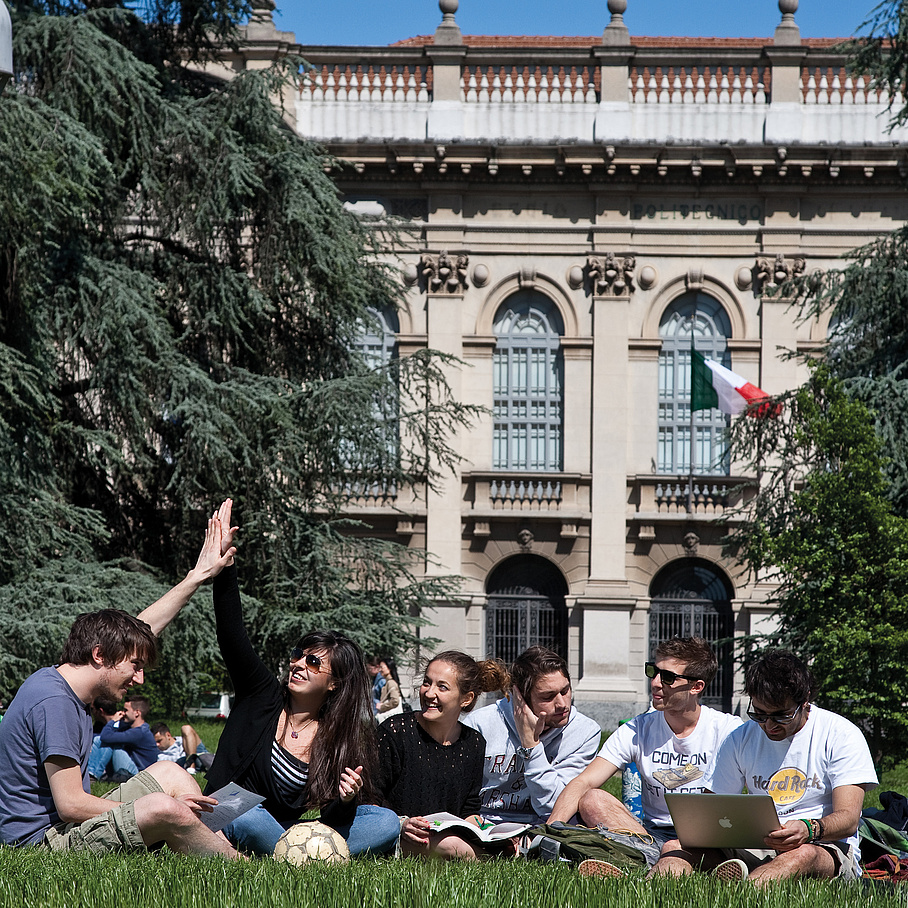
x: 562, y: 494
x: 659, y: 497
x: 586, y: 93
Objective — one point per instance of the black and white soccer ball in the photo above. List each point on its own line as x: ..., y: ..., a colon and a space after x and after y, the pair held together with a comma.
x: 312, y: 841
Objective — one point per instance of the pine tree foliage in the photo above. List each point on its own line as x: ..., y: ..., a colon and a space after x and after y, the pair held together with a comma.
x: 822, y: 527
x: 867, y: 345
x: 882, y: 53
x: 181, y: 295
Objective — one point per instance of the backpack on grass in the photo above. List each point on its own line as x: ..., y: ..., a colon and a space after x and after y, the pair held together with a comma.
x: 562, y: 842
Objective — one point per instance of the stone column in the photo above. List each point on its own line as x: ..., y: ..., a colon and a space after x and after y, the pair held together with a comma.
x: 609, y: 439
x: 613, y: 118
x: 262, y: 44
x: 784, y: 117
x: 443, y: 508
x: 447, y: 55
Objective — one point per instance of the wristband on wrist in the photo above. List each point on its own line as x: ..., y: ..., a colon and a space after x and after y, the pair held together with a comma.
x: 820, y: 830
x: 810, y: 830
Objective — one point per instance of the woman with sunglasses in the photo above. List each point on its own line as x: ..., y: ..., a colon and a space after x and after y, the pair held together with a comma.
x: 302, y: 742
x: 429, y: 762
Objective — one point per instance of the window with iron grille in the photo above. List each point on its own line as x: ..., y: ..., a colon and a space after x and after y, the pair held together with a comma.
x: 690, y: 598
x: 705, y: 317
x: 528, y: 372
x: 525, y: 608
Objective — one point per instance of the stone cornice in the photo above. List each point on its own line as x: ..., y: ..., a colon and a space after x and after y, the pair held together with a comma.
x: 462, y: 164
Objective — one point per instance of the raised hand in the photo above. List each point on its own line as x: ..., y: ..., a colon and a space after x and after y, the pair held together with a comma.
x: 529, y: 725
x: 227, y: 531
x: 215, y: 554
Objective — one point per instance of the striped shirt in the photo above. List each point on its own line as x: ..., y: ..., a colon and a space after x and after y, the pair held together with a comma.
x: 290, y: 773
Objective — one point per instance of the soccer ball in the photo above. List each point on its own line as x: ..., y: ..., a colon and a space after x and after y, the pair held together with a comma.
x: 311, y: 842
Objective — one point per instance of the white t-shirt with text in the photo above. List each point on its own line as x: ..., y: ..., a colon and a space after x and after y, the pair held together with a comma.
x: 799, y: 772
x: 665, y: 761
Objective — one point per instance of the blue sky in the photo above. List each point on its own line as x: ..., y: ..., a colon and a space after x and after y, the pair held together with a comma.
x: 386, y: 21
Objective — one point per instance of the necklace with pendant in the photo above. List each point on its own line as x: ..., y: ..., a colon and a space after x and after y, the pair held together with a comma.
x: 296, y: 734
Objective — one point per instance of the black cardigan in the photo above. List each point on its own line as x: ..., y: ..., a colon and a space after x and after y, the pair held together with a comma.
x: 245, y: 745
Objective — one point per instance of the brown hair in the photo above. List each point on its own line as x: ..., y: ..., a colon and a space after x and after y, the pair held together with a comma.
x: 472, y: 676
x: 532, y: 664
x: 117, y: 635
x: 140, y: 704
x: 695, y: 652
x: 160, y: 728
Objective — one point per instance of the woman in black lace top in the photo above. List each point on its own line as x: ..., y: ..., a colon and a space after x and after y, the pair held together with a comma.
x: 428, y: 762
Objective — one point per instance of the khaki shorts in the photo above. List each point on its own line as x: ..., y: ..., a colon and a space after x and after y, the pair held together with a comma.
x: 115, y: 830
x: 846, y: 865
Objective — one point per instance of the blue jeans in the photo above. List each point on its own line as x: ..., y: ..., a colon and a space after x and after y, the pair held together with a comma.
x: 114, y: 758
x: 374, y: 830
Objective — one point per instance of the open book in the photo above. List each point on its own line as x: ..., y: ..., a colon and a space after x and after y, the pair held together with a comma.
x: 488, y: 832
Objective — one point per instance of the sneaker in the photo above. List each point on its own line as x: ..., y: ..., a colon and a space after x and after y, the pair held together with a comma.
x: 589, y: 867
x: 733, y: 871
x: 118, y: 777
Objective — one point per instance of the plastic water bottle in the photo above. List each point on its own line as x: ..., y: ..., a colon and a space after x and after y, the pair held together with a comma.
x: 632, y: 788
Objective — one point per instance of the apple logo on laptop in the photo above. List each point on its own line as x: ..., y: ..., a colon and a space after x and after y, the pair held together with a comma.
x: 725, y: 823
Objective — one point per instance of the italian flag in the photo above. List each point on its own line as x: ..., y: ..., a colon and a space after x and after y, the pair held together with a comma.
x: 712, y: 385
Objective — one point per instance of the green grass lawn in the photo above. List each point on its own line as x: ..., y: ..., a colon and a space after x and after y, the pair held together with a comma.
x: 35, y: 878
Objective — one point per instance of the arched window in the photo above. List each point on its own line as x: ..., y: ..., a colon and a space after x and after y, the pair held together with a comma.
x: 528, y: 372
x: 377, y: 341
x: 689, y: 598
x: 711, y: 328
x: 525, y: 608
x: 374, y: 448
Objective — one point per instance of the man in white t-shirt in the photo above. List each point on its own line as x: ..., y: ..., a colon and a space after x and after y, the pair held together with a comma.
x: 816, y: 766
x: 673, y: 747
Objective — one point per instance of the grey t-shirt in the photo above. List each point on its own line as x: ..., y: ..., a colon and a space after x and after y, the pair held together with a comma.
x: 45, y: 719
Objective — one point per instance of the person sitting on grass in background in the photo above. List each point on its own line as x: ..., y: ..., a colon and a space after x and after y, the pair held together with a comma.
x: 390, y: 703
x: 46, y: 737
x: 428, y: 762
x: 104, y: 710
x: 816, y: 766
x: 125, y: 745
x: 186, y: 750
x: 373, y: 667
x: 536, y: 741
x: 673, y: 747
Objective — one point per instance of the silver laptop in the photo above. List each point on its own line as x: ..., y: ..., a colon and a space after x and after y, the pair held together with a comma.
x: 722, y: 821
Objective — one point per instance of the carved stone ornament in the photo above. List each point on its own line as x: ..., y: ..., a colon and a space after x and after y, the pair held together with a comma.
x: 525, y: 537
x: 771, y: 273
x: 691, y: 543
x: 612, y: 275
x: 444, y: 273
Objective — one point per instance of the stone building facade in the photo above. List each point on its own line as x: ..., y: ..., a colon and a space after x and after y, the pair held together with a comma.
x: 575, y: 209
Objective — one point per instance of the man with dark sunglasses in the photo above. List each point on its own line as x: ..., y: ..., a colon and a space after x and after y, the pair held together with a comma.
x: 816, y: 766
x: 673, y: 747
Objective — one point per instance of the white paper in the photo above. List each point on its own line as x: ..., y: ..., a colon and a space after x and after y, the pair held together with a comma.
x: 233, y: 801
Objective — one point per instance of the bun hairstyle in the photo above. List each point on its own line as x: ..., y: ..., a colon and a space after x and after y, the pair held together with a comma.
x: 475, y: 677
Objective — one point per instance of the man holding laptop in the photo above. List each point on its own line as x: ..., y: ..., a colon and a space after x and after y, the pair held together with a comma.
x: 673, y: 747
x: 814, y: 764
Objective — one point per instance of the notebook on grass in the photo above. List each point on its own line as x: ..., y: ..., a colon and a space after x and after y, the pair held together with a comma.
x: 722, y: 821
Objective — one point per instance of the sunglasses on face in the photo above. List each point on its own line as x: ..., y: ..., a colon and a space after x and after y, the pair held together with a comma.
x: 312, y: 661
x: 668, y: 678
x: 775, y: 718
